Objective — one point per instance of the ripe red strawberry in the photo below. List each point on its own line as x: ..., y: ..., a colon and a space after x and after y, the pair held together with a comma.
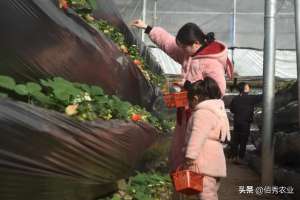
x: 137, y: 62
x: 136, y: 117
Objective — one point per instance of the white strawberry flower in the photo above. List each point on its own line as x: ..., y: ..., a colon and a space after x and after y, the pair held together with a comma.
x: 87, y: 97
x: 77, y: 100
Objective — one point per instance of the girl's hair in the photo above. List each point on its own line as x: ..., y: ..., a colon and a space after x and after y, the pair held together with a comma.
x: 241, y: 86
x: 207, y: 89
x: 190, y: 33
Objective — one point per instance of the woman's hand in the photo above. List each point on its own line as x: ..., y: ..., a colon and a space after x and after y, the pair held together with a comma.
x: 139, y: 24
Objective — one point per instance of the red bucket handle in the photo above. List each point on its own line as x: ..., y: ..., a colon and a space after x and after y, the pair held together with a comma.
x: 181, y: 166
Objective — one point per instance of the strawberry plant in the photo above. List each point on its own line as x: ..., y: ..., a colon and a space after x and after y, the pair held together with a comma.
x: 145, y: 186
x: 80, y: 101
x: 84, y: 9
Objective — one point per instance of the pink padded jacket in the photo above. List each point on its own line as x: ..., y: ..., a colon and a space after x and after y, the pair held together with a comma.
x: 196, y: 67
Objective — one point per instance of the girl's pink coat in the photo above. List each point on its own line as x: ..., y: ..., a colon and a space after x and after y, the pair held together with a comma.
x: 207, y: 127
x: 193, y: 69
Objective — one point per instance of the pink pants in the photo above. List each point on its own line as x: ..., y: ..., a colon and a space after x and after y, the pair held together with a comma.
x: 210, y: 188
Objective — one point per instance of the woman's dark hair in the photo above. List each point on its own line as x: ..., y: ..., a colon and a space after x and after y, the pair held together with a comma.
x: 207, y: 89
x: 241, y: 86
x: 190, y: 33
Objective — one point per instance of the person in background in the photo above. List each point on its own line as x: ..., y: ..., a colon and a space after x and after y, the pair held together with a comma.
x: 200, y: 56
x: 242, y: 106
x: 207, y: 129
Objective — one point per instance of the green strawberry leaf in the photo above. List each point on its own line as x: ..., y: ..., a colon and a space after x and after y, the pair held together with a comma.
x: 96, y: 91
x: 21, y: 89
x: 7, y: 82
x: 33, y: 87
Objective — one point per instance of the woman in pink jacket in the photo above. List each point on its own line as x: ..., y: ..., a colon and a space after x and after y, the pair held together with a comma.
x: 200, y: 56
x: 207, y: 128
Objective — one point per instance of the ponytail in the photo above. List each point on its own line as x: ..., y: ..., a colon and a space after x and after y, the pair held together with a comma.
x: 210, y: 37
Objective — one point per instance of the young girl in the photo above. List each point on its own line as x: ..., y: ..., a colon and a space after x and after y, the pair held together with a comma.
x: 207, y: 127
x: 200, y: 56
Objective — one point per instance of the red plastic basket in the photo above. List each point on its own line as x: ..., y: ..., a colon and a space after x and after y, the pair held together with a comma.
x: 176, y: 100
x: 187, y: 182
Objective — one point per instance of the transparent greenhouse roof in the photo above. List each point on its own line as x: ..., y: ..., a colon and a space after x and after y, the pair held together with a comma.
x: 217, y: 16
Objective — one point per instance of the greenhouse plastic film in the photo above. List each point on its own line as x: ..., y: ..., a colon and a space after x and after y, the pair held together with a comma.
x: 39, y: 40
x: 48, y: 155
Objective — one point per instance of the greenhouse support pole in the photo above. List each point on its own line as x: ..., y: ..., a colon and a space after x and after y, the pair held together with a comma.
x: 268, y: 92
x: 155, y: 13
x: 144, y: 17
x: 233, y: 31
x: 297, y: 30
x: 234, y: 24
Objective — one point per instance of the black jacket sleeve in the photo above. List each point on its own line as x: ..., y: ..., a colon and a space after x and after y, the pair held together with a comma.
x: 148, y: 29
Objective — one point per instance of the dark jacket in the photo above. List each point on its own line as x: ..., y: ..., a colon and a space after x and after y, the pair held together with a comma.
x: 242, y: 107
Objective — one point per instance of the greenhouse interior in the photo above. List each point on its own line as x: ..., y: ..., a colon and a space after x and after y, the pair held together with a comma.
x: 149, y: 99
